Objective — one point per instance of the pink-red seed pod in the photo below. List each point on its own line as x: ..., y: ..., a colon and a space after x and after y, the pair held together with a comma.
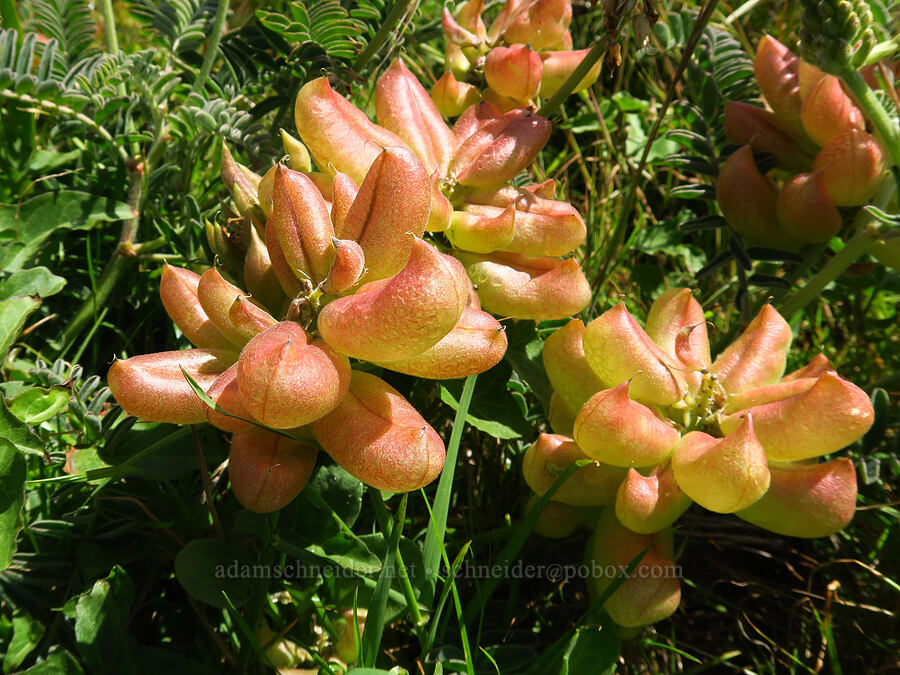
x: 648, y: 504
x: 455, y: 33
x: 398, y: 318
x: 403, y: 106
x: 514, y: 72
x: 769, y: 393
x: 482, y: 232
x: 778, y: 75
x: 559, y: 65
x: 288, y: 281
x: 557, y: 520
x: 451, y: 96
x: 500, y: 149
x: 474, y: 118
x: 347, y: 270
x: 591, y: 485
x: 227, y: 396
x: 267, y: 471
x: 567, y: 368
x: 337, y: 132
x: 303, y: 225
x: 722, y: 474
x: 677, y: 324
x: 344, y: 192
x: 616, y: 430
x: 178, y: 291
x: 259, y: 276
x: 503, y: 103
x: 298, y: 155
x: 153, y: 388
x: 827, y: 111
x: 748, y: 199
x: 806, y: 500
x: 376, y: 435
x: 854, y: 166
x: 619, y: 350
x: 249, y: 319
x: 475, y: 344
x: 818, y: 365
x: 749, y: 124
x: 243, y: 185
x: 216, y: 296
x: 806, y: 211
x: 525, y: 287
x: 554, y: 230
x: 286, y: 382
x: 441, y: 210
x: 758, y: 357
x: 545, y: 189
x: 389, y: 212
x: 808, y: 76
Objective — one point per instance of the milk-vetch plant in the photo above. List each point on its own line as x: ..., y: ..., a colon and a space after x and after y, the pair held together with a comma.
x: 669, y: 426
x: 344, y: 275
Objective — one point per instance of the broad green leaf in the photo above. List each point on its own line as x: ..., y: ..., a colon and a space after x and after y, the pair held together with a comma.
x: 339, y: 490
x: 12, y: 496
x: 37, y: 405
x: 100, y: 615
x: 493, y: 409
x: 57, y: 663
x: 207, y: 567
x: 344, y: 549
x: 593, y: 650
x: 13, y: 312
x: 34, y: 220
x: 33, y: 281
x: 524, y: 355
x: 18, y: 433
x: 27, y: 633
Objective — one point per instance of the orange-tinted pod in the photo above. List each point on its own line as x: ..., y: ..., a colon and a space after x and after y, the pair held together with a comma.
x: 806, y: 500
x: 286, y: 382
x: 758, y: 356
x: 854, y: 166
x: 748, y: 199
x: 178, y: 291
x: 567, y: 368
x: 525, y: 287
x: 827, y: 111
x: 677, y: 324
x: 648, y: 504
x: 514, y: 71
x: 749, y: 124
x: 818, y: 365
x: 451, y: 96
x: 249, y: 319
x: 153, y: 388
x: 216, y: 296
x: 267, y: 471
x: 551, y: 232
x: 259, y: 276
x: 398, y: 318
x: 376, y: 435
x: 558, y: 66
x: 615, y: 430
x: 227, y: 396
x: 558, y: 520
x: 298, y: 155
x: 591, y: 485
x: 343, y: 192
x: 243, y: 185
x: 475, y: 344
x: 348, y: 267
x: 777, y: 72
x: 473, y: 118
x: 482, y: 232
x: 288, y: 281
x: 389, y: 212
x: 404, y: 107
x: 806, y: 211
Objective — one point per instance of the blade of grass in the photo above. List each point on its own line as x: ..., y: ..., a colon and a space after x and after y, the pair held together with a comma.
x: 437, y: 525
x: 445, y: 594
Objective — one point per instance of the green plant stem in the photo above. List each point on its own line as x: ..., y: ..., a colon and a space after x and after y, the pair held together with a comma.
x: 109, y: 21
x: 212, y: 46
x: 583, y: 68
x: 859, y: 245
x: 398, y: 11
x: 885, y: 127
x: 437, y: 524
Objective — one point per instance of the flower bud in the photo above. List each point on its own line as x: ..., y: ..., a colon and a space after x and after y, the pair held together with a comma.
x: 377, y: 436
x: 153, y: 388
x: 619, y: 350
x: 652, y: 591
x: 500, y: 149
x: 827, y: 111
x: 514, y: 72
x: 567, y: 368
x: 824, y: 418
x: 475, y: 344
x: 227, y: 396
x: 722, y: 474
x: 404, y: 107
x: 267, y: 471
x: 748, y: 199
x: 854, y: 167
x: 259, y: 276
x: 806, y: 500
x: 648, y: 504
x: 558, y: 66
x: 451, y: 96
x: 777, y: 73
x: 336, y: 131
x: 298, y: 155
x: 482, y: 232
x: 178, y: 291
x: 303, y: 225
x: 285, y: 381
x: 400, y: 317
x: 525, y: 287
x: 614, y: 429
x: 806, y: 211
x: 389, y: 212
x: 348, y: 267
x: 758, y: 357
x: 590, y: 485
x: 748, y: 124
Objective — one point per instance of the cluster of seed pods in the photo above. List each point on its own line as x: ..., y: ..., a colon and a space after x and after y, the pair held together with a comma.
x: 337, y: 275
x: 825, y: 157
x: 667, y: 426
x: 525, y: 53
x: 510, y: 239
